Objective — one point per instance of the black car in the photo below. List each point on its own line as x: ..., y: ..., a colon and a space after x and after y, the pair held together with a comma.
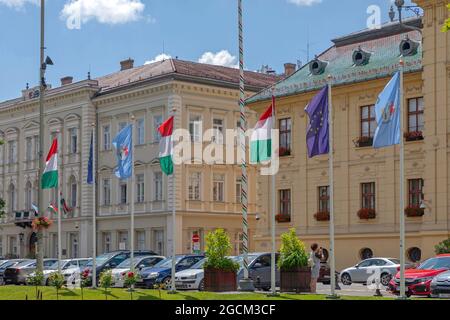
x: 110, y: 260
x: 7, y: 264
x: 18, y: 274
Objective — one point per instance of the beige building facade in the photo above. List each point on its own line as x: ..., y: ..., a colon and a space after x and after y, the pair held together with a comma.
x: 206, y: 197
x: 366, y: 179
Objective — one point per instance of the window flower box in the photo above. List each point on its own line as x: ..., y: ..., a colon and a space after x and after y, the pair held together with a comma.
x: 367, y: 214
x: 362, y: 142
x: 283, y: 218
x: 283, y: 152
x: 413, y: 211
x: 322, y: 216
x: 413, y: 136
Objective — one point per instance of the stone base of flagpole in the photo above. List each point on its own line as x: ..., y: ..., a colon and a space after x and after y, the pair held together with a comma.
x: 333, y: 297
x: 403, y: 298
x: 273, y: 294
x: 246, y: 285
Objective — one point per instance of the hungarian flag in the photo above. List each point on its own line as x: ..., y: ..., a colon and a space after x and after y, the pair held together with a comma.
x: 166, y: 146
x: 261, y: 139
x: 50, y: 176
x: 53, y: 208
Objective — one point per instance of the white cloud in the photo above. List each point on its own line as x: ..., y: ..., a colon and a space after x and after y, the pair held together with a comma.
x: 18, y: 4
x: 159, y: 57
x: 104, y: 11
x: 304, y: 2
x: 221, y: 58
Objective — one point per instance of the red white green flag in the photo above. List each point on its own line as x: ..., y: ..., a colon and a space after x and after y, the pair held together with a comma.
x: 166, y: 146
x: 50, y: 176
x: 261, y: 139
x: 52, y: 208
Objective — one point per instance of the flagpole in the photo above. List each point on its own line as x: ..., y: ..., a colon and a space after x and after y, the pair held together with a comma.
x: 331, y: 177
x: 274, y: 248
x: 59, y: 214
x: 174, y: 222
x: 402, y: 192
x: 132, y: 195
x: 94, y: 213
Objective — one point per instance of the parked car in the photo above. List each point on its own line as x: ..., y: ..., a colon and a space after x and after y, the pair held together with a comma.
x: 69, y: 268
x: 18, y: 274
x: 440, y: 285
x: 139, y: 264
x: 259, y: 268
x: 161, y: 272
x: 418, y: 280
x: 361, y: 272
x: 7, y: 264
x: 111, y: 260
x: 192, y: 278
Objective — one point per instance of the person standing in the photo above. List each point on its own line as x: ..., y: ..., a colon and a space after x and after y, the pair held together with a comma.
x: 315, y: 257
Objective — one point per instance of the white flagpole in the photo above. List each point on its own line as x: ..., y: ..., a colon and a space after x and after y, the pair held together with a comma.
x: 274, y: 248
x: 94, y: 213
x: 402, y: 192
x: 58, y: 189
x: 132, y: 195
x: 174, y: 222
x: 331, y: 177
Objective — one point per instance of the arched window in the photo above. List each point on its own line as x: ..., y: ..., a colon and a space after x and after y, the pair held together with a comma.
x: 12, y: 197
x: 28, y: 195
x: 73, y: 188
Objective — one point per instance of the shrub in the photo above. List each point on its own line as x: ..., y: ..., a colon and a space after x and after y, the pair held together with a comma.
x: 443, y: 247
x: 106, y: 281
x: 293, y: 254
x: 36, y: 279
x: 84, y: 281
x: 56, y: 279
x: 218, y: 246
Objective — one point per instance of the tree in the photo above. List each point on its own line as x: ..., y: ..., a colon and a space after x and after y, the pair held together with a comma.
x: 443, y: 247
x: 446, y: 26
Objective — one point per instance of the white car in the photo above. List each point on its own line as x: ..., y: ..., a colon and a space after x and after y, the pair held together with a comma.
x: 70, y: 268
x: 121, y: 270
x: 191, y: 279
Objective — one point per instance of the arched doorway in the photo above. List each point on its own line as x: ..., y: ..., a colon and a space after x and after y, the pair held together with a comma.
x: 32, y: 244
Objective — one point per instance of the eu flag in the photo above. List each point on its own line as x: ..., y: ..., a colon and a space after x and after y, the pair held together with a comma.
x: 317, y: 139
x: 387, y: 112
x: 90, y: 175
x: 124, y: 152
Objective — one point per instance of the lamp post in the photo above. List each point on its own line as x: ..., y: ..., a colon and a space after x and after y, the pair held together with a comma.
x: 400, y: 4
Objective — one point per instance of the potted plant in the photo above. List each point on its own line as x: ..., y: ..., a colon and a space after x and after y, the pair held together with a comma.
x: 367, y: 214
x: 220, y: 271
x: 283, y: 218
x: 295, y: 275
x: 56, y: 279
x: 322, y: 216
x: 414, y: 211
x: 413, y: 136
x: 41, y: 223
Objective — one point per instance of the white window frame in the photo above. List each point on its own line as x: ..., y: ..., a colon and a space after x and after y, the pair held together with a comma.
x: 195, y: 128
x: 106, y: 191
x: 157, y: 186
x: 157, y: 121
x: 28, y: 148
x: 218, y: 131
x: 218, y: 187
x: 194, y: 186
x: 106, y: 133
x: 140, y: 188
x: 121, y: 189
x: 73, y: 140
x: 140, y: 131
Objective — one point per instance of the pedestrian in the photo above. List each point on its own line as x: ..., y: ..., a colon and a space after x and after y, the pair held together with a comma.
x: 315, y: 257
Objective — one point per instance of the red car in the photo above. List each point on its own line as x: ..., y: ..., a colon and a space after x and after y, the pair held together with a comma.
x: 418, y: 280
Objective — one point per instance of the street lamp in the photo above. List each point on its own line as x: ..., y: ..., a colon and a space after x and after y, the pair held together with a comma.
x: 400, y: 4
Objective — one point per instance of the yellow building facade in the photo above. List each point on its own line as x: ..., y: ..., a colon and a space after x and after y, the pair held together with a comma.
x: 361, y: 64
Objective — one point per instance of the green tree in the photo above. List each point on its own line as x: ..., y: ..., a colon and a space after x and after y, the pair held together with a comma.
x: 36, y: 279
x: 443, y: 247
x: 218, y: 247
x: 56, y: 279
x: 106, y: 281
x: 292, y: 252
x: 446, y: 26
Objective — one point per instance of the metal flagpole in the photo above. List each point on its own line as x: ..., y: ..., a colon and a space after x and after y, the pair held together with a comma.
x: 402, y: 192
x: 94, y: 212
x: 133, y: 187
x: 331, y: 177
x: 174, y: 223
x: 59, y: 214
x: 274, y: 247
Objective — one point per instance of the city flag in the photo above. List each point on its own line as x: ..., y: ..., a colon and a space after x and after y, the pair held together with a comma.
x: 64, y: 205
x: 124, y: 152
x: 90, y: 175
x: 50, y: 176
x: 317, y: 138
x: 166, y: 146
x: 387, y: 113
x: 261, y: 139
x: 52, y: 208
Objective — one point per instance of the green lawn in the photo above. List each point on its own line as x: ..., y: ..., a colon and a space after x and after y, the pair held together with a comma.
x: 49, y: 293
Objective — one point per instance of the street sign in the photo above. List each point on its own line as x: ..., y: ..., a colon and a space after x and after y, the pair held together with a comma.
x: 195, y: 243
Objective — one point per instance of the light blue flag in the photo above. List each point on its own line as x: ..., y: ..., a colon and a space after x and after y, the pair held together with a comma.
x: 124, y: 152
x: 387, y: 110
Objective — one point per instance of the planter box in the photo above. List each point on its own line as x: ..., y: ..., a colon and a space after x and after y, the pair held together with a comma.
x: 367, y: 214
x: 283, y: 218
x: 412, y: 212
x: 296, y: 280
x: 322, y: 216
x: 413, y: 136
x: 363, y: 142
x: 220, y: 281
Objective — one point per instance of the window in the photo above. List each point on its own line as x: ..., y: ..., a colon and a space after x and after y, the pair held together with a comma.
x: 285, y: 202
x: 368, y: 122
x: 415, y: 192
x: 140, y: 128
x: 218, y: 187
x: 106, y: 242
x: 123, y: 193
x: 194, y: 186
x: 36, y: 147
x: 73, y: 136
x: 157, y: 121
x: 28, y: 146
x: 28, y: 195
x: 122, y: 125
x: 195, y: 128
x: 415, y: 114
x: 73, y: 191
x: 74, y: 245
x: 158, y: 241
x: 106, y: 192
x: 140, y: 188
x: 218, y: 131
x: 324, y: 199
x: 12, y: 197
x: 368, y: 195
x: 285, y: 137
x: 238, y: 190
x: 158, y: 192
x: 106, y: 138
x: 13, y: 245
x: 123, y: 240
x: 12, y: 151
x: 140, y: 240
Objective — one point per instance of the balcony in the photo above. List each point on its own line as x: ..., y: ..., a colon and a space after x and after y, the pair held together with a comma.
x: 413, y: 136
x: 362, y: 142
x: 23, y: 219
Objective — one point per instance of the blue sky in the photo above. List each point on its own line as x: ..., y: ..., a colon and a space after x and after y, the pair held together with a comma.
x: 276, y: 32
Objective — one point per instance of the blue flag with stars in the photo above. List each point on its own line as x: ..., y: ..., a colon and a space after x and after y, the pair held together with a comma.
x: 317, y: 138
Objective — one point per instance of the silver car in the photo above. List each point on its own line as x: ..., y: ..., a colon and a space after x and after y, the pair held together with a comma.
x: 367, y: 271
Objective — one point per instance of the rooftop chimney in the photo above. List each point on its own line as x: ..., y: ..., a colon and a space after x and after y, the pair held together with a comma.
x: 289, y: 68
x: 66, y: 80
x: 126, y: 64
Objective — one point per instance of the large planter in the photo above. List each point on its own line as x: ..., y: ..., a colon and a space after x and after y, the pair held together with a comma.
x: 295, y: 280
x: 220, y: 281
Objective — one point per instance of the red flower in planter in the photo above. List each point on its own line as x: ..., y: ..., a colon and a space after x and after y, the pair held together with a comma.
x: 284, y: 152
x: 130, y: 274
x: 366, y: 214
x: 283, y: 218
x: 322, y: 216
x: 414, y: 211
x: 413, y: 135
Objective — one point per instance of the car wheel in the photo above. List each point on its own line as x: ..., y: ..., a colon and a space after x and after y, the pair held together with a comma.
x: 385, y: 279
x: 167, y: 282
x: 346, y: 279
x: 201, y: 286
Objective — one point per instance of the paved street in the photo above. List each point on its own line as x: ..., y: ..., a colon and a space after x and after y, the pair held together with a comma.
x: 356, y: 290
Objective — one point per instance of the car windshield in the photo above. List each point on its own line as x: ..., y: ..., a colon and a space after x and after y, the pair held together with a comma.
x: 435, y: 264
x: 127, y: 263
x: 199, y: 265
x: 101, y: 259
x: 240, y: 259
x: 24, y: 263
x: 167, y: 263
x: 55, y: 265
x: 394, y: 261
